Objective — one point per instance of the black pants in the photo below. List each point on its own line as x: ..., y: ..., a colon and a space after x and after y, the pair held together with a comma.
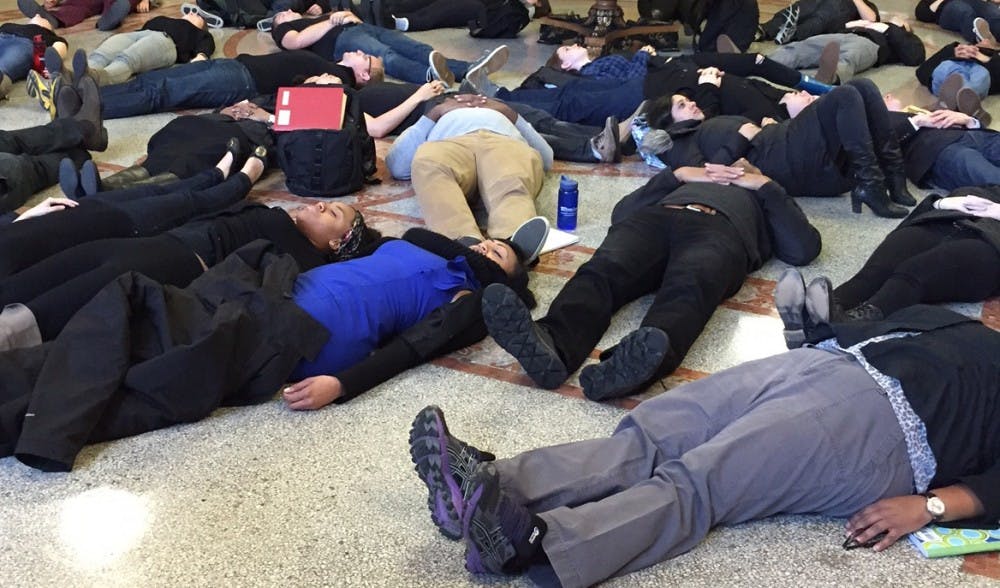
x: 436, y: 14
x: 736, y: 18
x: 691, y: 260
x: 133, y: 212
x: 925, y: 263
x: 816, y: 17
x: 852, y: 120
x: 569, y: 141
x: 55, y: 288
x: 29, y: 159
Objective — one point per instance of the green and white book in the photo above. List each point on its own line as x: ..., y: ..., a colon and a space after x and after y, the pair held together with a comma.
x: 944, y: 541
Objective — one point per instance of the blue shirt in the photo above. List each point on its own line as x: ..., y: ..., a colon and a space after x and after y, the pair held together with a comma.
x: 616, y: 67
x: 363, y: 302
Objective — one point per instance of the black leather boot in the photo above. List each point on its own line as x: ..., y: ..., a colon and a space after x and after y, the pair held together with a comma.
x: 870, y: 185
x: 890, y: 157
x: 134, y: 176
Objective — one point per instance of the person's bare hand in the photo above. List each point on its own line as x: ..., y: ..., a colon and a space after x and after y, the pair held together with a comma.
x: 970, y: 204
x: 471, y: 100
x: 51, y: 4
x: 746, y: 166
x: 896, y: 516
x: 966, y: 51
x: 749, y: 130
x: 312, y: 393
x: 142, y: 7
x: 723, y: 174
x: 46, y: 206
x: 648, y: 49
x: 710, y: 75
x: 314, y: 10
x: 767, y: 121
x: 430, y: 90
x: 943, y: 119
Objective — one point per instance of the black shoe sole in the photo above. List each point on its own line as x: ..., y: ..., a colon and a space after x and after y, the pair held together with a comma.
x: 509, y: 322
x: 634, y: 362
x: 431, y: 460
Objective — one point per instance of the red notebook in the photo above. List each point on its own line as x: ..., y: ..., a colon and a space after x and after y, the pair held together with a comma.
x: 310, y: 107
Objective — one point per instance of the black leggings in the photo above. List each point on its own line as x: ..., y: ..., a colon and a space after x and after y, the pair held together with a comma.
x: 133, y: 212
x: 925, y: 263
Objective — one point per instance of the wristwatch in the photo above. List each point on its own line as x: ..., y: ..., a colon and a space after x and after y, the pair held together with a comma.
x: 935, y: 506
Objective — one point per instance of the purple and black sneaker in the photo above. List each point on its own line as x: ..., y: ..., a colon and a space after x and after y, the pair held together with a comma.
x: 446, y: 465
x: 501, y: 535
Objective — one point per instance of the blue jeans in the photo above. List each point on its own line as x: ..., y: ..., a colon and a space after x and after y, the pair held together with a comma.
x: 202, y: 84
x: 973, y: 160
x: 15, y: 56
x: 957, y: 15
x: 976, y: 76
x: 405, y: 58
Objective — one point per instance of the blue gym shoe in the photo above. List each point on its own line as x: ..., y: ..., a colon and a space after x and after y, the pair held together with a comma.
x: 446, y: 465
x: 501, y: 536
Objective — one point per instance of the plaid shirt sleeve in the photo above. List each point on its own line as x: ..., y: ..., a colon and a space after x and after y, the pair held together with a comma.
x: 616, y: 67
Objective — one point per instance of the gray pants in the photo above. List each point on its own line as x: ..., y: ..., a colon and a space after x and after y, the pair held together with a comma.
x: 124, y: 55
x: 806, y: 431
x: 856, y: 53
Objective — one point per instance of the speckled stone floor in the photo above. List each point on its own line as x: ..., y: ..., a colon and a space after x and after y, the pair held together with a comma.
x: 262, y: 496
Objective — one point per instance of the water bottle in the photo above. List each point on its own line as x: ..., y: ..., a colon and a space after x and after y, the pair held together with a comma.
x: 569, y: 197
x: 38, y: 55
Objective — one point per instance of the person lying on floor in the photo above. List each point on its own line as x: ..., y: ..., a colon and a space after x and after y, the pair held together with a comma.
x: 469, y: 146
x: 961, y: 72
x: 891, y: 424
x: 945, y: 148
x: 821, y: 151
x: 337, y: 34
x: 590, y: 101
x: 864, y: 45
x: 29, y: 158
x: 58, y: 285
x: 149, y: 356
x: 946, y: 250
x: 17, y: 49
x: 216, y: 83
x: 690, y: 236
x: 161, y: 42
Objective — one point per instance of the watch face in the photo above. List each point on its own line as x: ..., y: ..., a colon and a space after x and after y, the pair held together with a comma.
x: 935, y: 506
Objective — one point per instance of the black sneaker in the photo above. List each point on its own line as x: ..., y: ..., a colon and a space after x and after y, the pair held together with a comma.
x: 509, y: 323
x: 446, y: 465
x: 788, y: 28
x: 631, y: 366
x: 501, y: 536
x: 530, y: 237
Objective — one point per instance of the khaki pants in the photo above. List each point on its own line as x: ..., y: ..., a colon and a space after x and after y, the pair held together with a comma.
x: 505, y: 173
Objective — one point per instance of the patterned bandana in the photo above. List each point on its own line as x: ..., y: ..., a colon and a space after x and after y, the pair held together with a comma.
x: 351, y: 242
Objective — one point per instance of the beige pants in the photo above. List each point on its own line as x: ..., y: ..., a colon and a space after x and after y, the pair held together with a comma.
x: 505, y: 173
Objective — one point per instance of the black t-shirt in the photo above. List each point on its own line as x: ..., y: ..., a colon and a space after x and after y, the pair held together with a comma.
x: 189, y: 39
x: 216, y: 237
x: 287, y: 68
x: 325, y: 46
x: 28, y: 31
x: 379, y: 98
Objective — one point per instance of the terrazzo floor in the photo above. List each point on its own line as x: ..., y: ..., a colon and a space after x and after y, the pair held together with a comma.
x: 264, y: 496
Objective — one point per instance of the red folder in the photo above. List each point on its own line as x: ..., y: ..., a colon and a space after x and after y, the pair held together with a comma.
x: 299, y: 108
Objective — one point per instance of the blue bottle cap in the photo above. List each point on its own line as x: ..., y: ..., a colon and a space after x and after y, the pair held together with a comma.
x: 567, y: 183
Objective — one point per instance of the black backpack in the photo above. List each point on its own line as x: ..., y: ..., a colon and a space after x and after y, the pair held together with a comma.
x: 323, y: 163
x: 499, y: 19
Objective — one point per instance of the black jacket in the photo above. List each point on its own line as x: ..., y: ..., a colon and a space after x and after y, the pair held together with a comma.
x: 950, y: 374
x: 988, y: 228
x: 921, y: 147
x: 947, y: 53
x: 141, y: 356
x: 773, y: 224
x: 896, y: 45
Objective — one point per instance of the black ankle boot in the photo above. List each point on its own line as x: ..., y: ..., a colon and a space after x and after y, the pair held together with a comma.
x: 891, y: 159
x: 124, y: 178
x: 870, y: 185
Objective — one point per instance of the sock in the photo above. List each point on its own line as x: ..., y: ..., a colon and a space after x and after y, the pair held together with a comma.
x: 402, y: 24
